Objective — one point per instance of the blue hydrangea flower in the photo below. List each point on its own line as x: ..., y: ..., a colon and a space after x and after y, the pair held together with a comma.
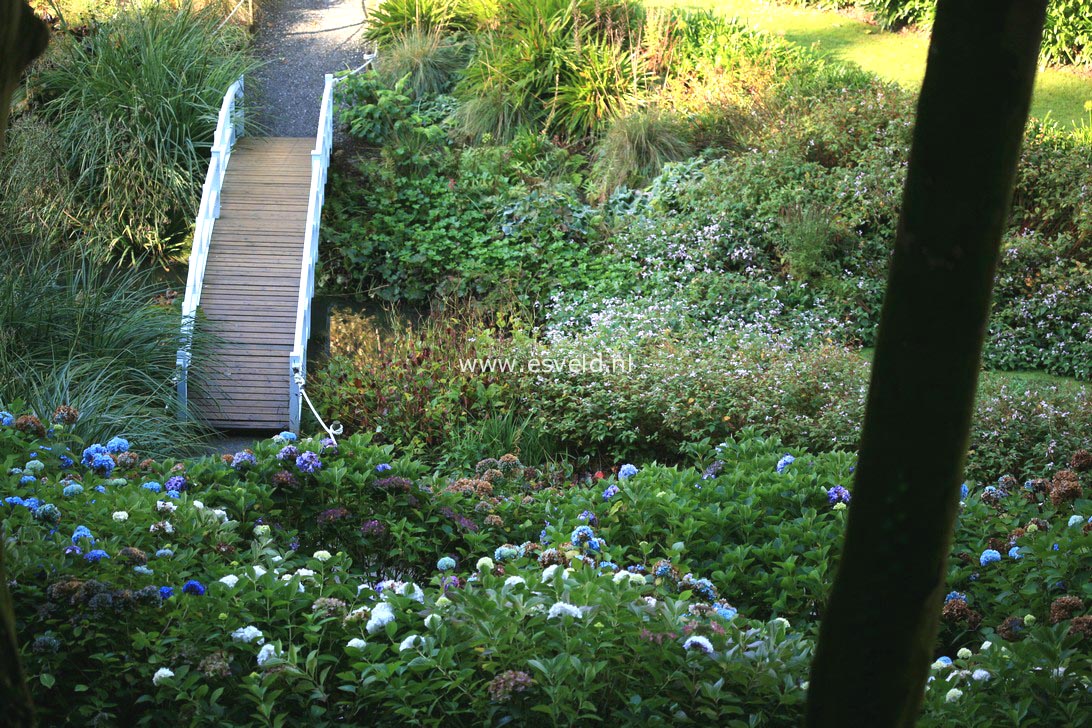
x: 785, y: 461
x: 309, y: 462
x: 34, y: 466
x: 1014, y: 553
x: 243, y: 460
x: 48, y: 513
x: 595, y: 544
x: 989, y: 556
x: 74, y: 550
x: 164, y: 554
x: 954, y: 595
x: 27, y: 480
x: 725, y: 611
x: 963, y: 491
x: 31, y: 504
x: 944, y: 660
x: 13, y: 500
x: 152, y: 486
x: 637, y: 569
x: 102, y: 464
x: 166, y: 592
x: 100, y: 488
x: 117, y: 445
x: 838, y: 494
x: 608, y: 565
x: 96, y: 555
x: 82, y: 532
x: 506, y: 553
x: 173, y: 494
x: 143, y: 570
x: 589, y: 517
x: 543, y: 536
x: 582, y: 534
x: 1075, y: 520
x: 66, y: 462
x: 610, y: 492
x: 382, y: 467
x: 445, y: 564
x: 71, y: 490
x: 662, y: 569
x: 193, y: 587
x: 627, y: 471
x: 705, y: 589
x: 287, y: 436
x: 7, y: 419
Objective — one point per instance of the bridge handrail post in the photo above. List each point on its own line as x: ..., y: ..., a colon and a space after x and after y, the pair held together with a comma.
x: 229, y: 126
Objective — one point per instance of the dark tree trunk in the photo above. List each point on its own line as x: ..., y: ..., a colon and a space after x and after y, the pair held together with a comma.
x: 22, y: 38
x: 877, y: 635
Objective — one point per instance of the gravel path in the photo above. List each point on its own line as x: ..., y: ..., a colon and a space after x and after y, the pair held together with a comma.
x: 300, y: 41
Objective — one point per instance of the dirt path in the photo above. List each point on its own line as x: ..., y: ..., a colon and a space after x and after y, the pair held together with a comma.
x: 300, y: 41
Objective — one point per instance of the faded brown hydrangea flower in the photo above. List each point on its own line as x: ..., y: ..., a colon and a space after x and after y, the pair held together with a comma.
x: 1065, y: 607
x: 1011, y: 629
x: 133, y: 556
x: 330, y: 606
x: 215, y: 665
x: 65, y: 415
x: 1081, y: 626
x: 1065, y: 487
x: 494, y: 520
x: 956, y: 610
x: 1081, y: 461
x: 30, y: 425
x: 552, y: 557
x: 127, y: 460
x: 508, y: 682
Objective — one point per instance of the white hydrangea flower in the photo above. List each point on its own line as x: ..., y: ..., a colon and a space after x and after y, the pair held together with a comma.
x: 409, y: 643
x: 163, y: 673
x: 941, y: 664
x: 513, y: 581
x: 305, y: 572
x: 782, y: 621
x: 198, y: 505
x: 980, y: 675
x: 265, y: 654
x: 651, y: 602
x: 261, y: 531
x: 700, y: 643
x: 433, y: 621
x: 120, y: 516
x: 382, y: 615
x: 620, y: 576
x: 165, y: 507
x: 259, y: 571
x: 356, y: 643
x: 548, y: 572
x: 230, y: 580
x: 1075, y: 520
x: 953, y: 695
x: 323, y: 556
x: 485, y: 564
x: 248, y: 634
x: 443, y: 601
x: 561, y: 608
x: 415, y: 592
x: 985, y: 646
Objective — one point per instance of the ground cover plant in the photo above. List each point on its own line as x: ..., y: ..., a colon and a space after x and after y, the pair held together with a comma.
x: 295, y: 579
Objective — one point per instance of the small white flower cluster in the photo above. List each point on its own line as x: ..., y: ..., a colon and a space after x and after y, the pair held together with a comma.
x: 564, y: 608
x: 248, y: 634
x: 120, y: 516
x: 382, y: 615
x: 165, y: 507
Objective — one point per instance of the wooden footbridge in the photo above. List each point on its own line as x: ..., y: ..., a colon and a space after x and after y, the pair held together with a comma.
x: 252, y: 271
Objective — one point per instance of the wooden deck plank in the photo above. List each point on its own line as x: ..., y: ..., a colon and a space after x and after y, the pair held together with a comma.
x: 251, y: 288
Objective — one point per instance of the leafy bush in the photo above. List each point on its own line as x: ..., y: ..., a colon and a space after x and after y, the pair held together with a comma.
x: 132, y: 107
x: 394, y: 19
x: 96, y: 338
x: 238, y: 589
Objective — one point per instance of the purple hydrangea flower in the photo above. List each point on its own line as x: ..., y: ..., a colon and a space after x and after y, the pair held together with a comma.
x: 288, y: 452
x: 243, y: 460
x: 610, y: 492
x: 176, y: 482
x: 838, y: 494
x: 309, y: 462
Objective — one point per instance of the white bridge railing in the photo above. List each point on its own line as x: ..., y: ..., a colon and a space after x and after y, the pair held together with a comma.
x: 229, y: 127
x: 320, y: 164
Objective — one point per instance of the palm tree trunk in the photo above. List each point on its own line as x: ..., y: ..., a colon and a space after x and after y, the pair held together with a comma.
x: 877, y: 636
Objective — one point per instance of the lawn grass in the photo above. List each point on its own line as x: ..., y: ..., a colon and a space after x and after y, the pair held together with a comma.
x: 898, y: 57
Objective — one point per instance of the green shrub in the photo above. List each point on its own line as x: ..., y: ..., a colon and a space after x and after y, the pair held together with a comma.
x: 429, y: 59
x: 133, y: 107
x: 807, y: 241
x: 80, y: 334
x: 636, y: 147
x: 395, y: 19
x: 344, y: 572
